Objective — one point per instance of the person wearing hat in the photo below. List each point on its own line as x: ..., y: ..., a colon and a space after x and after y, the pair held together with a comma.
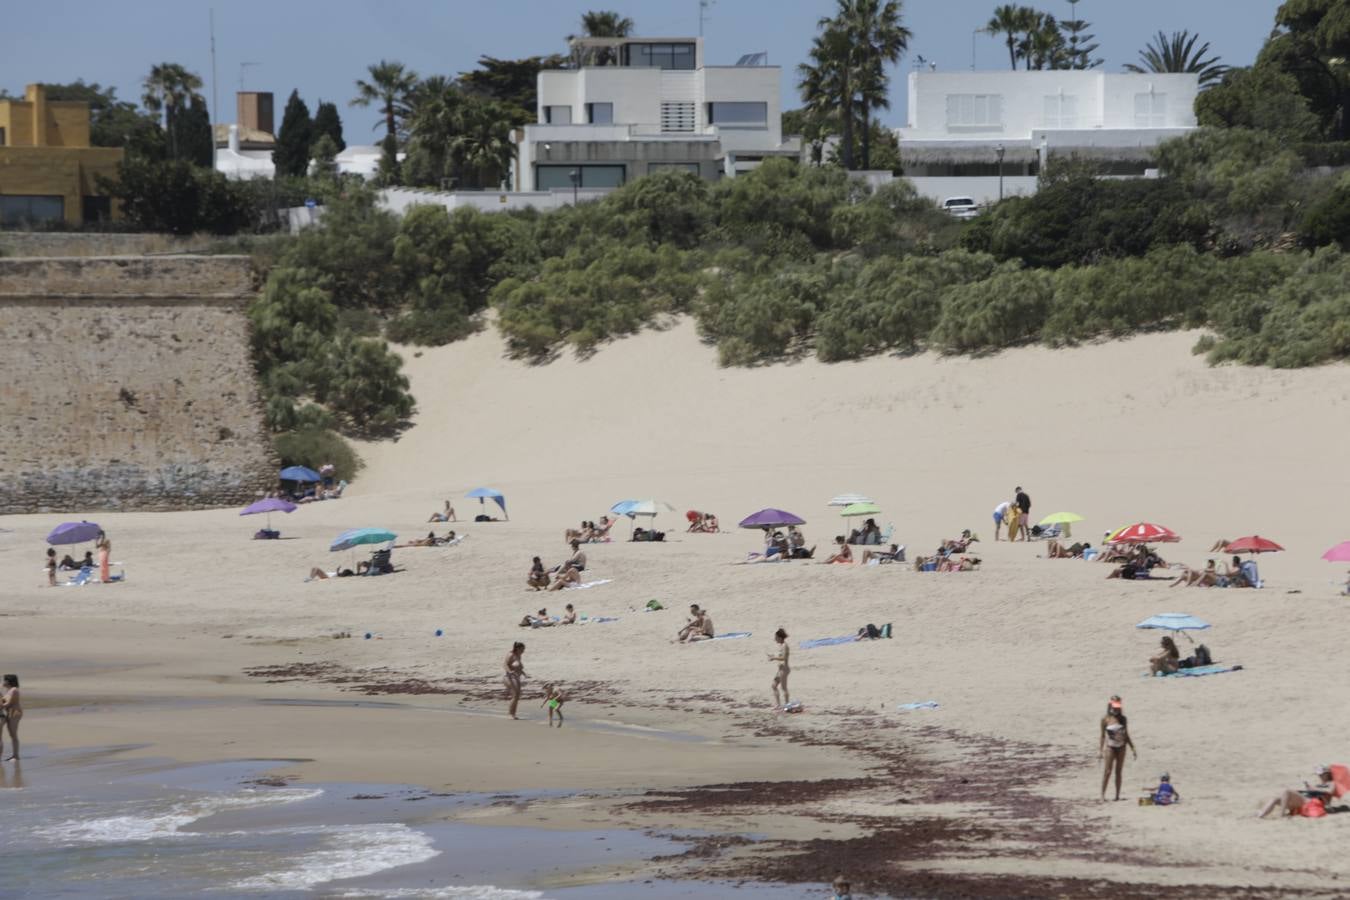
x: 1311, y: 802
x: 1115, y: 737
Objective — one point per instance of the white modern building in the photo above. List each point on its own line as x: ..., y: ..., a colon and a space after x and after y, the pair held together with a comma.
x: 633, y: 106
x: 966, y: 128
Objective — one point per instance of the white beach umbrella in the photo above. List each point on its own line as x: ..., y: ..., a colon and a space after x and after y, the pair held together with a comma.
x: 850, y: 499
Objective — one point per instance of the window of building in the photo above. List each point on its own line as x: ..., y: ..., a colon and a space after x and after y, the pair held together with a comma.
x: 1150, y: 110
x: 677, y: 115
x: 22, y: 209
x: 1060, y: 111
x: 2, y: 137
x: 96, y: 209
x: 653, y: 168
x: 589, y: 176
x: 557, y: 115
x: 600, y: 113
x: 738, y: 114
x: 974, y: 112
x: 659, y: 56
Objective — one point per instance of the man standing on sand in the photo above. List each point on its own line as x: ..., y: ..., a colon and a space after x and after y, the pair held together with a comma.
x: 1024, y: 506
x: 1000, y: 515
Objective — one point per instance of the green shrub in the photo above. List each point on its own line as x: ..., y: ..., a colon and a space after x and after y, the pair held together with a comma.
x: 761, y: 315
x: 1328, y: 220
x: 1008, y: 308
x: 316, y: 446
x: 430, y: 327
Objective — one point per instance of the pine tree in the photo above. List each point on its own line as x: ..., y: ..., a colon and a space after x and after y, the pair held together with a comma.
x: 1078, y: 53
x: 291, y: 155
x: 328, y: 122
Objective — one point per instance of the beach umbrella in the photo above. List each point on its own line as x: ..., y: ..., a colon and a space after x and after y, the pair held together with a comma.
x: 849, y: 500
x: 1144, y: 533
x: 355, y: 537
x: 1339, y: 553
x: 73, y: 533
x: 1252, y: 544
x: 1061, y: 518
x: 299, y: 473
x: 648, y: 508
x: 860, y: 509
x: 771, y: 518
x: 492, y: 494
x: 1177, y: 623
x: 269, y: 505
x: 621, y: 508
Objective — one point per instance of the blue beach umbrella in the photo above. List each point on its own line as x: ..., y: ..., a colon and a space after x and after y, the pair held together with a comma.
x: 622, y: 507
x: 496, y: 496
x: 299, y: 473
x: 73, y: 533
x: 355, y: 537
x: 1175, y: 622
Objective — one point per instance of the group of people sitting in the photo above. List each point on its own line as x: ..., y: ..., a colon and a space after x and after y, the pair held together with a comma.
x: 542, y: 619
x: 70, y: 564
x: 699, y: 627
x: 1136, y: 560
x: 1170, y: 660
x: 560, y: 576
x: 946, y: 563
x: 316, y: 492
x: 1239, y: 574
x: 380, y: 563
x: 869, y: 533
x: 590, y: 532
x: 779, y: 546
x: 701, y: 522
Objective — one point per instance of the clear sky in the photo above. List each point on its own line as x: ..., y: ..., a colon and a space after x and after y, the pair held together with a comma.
x: 323, y: 46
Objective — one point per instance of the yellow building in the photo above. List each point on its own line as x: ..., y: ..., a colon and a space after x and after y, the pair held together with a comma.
x: 48, y: 171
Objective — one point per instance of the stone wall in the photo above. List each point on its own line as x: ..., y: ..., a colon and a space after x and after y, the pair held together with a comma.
x: 97, y: 243
x: 126, y: 383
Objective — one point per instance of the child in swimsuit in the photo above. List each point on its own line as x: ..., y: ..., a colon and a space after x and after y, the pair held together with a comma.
x: 554, y: 699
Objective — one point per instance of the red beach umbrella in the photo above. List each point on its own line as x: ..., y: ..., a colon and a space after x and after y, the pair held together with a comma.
x: 1252, y: 544
x: 1144, y: 533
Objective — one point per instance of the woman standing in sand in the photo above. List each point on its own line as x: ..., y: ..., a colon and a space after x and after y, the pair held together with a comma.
x: 1115, y: 737
x: 515, y: 672
x: 781, y: 678
x: 104, y: 554
x: 11, y: 711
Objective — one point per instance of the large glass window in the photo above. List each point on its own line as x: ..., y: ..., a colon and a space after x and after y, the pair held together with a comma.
x: 551, y: 177
x: 557, y: 115
x: 21, y: 209
x: 975, y: 112
x: 738, y: 114
x: 600, y: 113
x: 659, y: 56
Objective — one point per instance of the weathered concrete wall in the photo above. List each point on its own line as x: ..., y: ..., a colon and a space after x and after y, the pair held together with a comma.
x: 126, y: 383
x: 96, y: 243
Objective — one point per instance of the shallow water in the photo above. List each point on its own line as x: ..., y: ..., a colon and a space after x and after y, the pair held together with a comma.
x: 92, y: 823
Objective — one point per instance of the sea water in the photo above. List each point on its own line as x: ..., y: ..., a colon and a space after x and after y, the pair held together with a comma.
x: 95, y: 823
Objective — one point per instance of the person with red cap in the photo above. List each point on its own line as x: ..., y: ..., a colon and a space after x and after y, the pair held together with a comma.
x: 1115, y: 737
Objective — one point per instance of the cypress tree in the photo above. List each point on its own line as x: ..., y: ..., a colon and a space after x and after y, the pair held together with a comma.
x: 191, y: 126
x: 291, y: 155
x: 328, y: 122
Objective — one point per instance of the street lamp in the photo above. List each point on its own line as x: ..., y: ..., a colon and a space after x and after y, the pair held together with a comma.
x: 1000, y: 150
x: 575, y: 176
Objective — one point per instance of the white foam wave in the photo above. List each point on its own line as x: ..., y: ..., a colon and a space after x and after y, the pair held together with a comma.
x: 167, y: 824
x: 352, y: 851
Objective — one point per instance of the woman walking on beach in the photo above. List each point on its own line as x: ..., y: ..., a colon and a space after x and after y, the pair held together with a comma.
x: 781, y: 678
x: 1115, y: 737
x: 515, y: 671
x: 104, y: 554
x: 11, y: 711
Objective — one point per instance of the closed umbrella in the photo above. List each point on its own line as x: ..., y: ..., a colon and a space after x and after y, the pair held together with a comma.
x: 771, y: 518
x: 493, y: 494
x: 1252, y: 544
x: 73, y: 533
x: 269, y: 505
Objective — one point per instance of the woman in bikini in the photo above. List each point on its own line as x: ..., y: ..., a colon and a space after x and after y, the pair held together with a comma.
x: 515, y: 672
x: 11, y: 711
x: 781, y: 678
x: 1115, y: 737
x: 538, y: 578
x: 843, y: 553
x: 1168, y: 661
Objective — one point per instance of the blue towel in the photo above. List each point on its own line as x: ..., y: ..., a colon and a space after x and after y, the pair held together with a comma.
x: 828, y: 642
x: 599, y: 620
x: 1205, y: 670
x: 730, y: 635
x: 922, y: 704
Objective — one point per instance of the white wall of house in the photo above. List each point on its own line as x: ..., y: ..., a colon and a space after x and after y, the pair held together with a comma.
x: 983, y: 189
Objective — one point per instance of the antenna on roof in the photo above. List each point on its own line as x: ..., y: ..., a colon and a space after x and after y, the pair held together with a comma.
x: 703, y: 7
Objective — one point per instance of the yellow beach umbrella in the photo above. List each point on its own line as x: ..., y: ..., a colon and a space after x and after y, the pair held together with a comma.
x: 1061, y: 518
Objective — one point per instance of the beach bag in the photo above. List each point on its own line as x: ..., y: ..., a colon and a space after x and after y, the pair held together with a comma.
x: 1202, y: 657
x: 872, y: 631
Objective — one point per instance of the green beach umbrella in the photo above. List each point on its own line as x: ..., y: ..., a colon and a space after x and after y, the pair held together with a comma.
x: 860, y: 509
x: 1061, y: 518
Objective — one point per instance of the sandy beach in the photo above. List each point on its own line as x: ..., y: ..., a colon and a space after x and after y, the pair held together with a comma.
x: 216, y: 648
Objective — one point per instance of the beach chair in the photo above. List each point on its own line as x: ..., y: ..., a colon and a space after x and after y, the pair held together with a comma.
x: 84, y: 576
x: 380, y: 563
x: 1251, y: 574
x: 887, y: 532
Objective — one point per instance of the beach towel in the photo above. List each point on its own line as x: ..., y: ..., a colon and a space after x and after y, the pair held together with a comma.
x: 828, y: 642
x: 600, y: 620
x: 84, y: 576
x: 1199, y: 671
x: 727, y: 636
x: 922, y: 704
x: 587, y: 584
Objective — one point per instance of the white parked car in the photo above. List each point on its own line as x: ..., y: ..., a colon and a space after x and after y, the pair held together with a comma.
x: 961, y: 207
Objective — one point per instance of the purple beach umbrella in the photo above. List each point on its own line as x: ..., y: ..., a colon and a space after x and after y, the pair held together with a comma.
x: 771, y: 518
x: 74, y: 533
x: 269, y: 505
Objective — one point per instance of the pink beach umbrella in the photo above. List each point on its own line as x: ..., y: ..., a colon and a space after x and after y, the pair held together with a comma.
x: 1144, y: 533
x: 1339, y: 553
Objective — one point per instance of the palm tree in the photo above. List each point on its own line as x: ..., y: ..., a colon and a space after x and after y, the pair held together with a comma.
x: 1013, y: 22
x: 826, y: 82
x: 390, y: 85
x: 1045, y: 44
x: 606, y: 23
x: 482, y: 149
x: 878, y: 38
x: 431, y: 122
x: 169, y: 88
x: 1178, y: 53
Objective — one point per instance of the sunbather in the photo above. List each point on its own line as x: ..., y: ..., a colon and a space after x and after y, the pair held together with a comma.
x: 540, y: 619
x: 1166, y: 662
x: 870, y: 533
x: 842, y: 553
x: 538, y: 578
x: 1206, y: 577
x: 699, y: 626
x: 964, y: 564
x: 710, y: 524
x: 429, y: 541
x: 569, y: 616
x: 1333, y: 783
x: 882, y: 556
x: 1220, y: 545
x: 564, y: 578
x: 447, y: 516
x: 958, y: 546
x: 317, y: 574
x: 576, y: 561
x: 1056, y: 550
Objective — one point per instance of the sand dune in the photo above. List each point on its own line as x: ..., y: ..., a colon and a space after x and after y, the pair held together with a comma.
x: 1025, y: 649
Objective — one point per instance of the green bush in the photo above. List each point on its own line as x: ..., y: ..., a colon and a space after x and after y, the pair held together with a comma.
x: 760, y: 316
x: 1328, y: 220
x: 1008, y: 308
x: 316, y: 446
x: 430, y: 327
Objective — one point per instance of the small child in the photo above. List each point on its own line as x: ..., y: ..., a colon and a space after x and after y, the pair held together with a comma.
x: 51, y: 567
x: 1164, y: 794
x: 554, y: 699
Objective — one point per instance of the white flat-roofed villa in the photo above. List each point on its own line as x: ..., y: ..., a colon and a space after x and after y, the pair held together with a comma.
x: 958, y: 121
x: 634, y: 106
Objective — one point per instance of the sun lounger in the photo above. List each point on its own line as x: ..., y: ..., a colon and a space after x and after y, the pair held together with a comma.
x: 828, y: 642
